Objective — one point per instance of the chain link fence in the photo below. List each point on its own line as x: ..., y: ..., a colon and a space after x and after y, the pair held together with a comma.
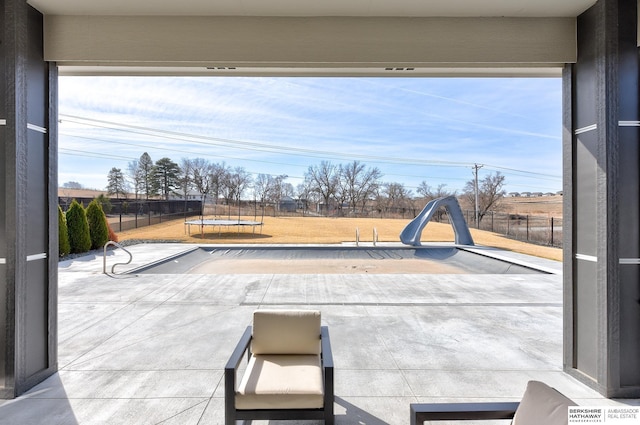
x: 127, y: 215
x: 541, y: 230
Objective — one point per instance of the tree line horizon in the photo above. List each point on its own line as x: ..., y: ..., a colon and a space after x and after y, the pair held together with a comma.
x: 353, y: 185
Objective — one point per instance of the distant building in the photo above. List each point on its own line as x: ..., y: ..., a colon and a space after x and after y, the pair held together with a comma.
x: 192, y: 195
x: 288, y: 204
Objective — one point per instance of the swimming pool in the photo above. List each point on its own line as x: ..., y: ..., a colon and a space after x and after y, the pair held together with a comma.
x: 333, y: 260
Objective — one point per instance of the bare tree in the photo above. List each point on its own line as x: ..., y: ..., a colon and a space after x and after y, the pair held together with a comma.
x: 185, y: 180
x: 398, y: 198
x: 288, y: 190
x: 135, y: 176
x: 276, y: 191
x: 429, y: 193
x: 359, y: 183
x: 201, y: 174
x: 261, y: 187
x: 219, y: 173
x: 235, y: 183
x: 72, y: 185
x: 305, y: 195
x: 490, y: 193
x: 324, y: 180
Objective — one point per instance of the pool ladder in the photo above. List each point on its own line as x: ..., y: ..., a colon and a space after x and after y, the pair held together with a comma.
x: 375, y: 236
x: 104, y: 257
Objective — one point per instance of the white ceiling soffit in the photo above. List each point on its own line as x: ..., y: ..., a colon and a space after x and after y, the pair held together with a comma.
x: 309, y: 46
x: 303, y: 8
x: 81, y: 44
x: 529, y: 71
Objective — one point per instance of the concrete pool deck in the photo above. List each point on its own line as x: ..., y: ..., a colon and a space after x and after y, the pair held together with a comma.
x: 150, y: 349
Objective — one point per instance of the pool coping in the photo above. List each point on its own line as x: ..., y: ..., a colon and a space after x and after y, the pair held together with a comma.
x: 534, y: 263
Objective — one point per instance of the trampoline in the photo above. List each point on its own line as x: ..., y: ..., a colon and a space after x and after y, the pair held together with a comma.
x: 240, y: 224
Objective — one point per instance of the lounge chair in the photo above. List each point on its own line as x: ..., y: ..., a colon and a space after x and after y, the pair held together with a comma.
x: 540, y: 405
x: 289, y: 373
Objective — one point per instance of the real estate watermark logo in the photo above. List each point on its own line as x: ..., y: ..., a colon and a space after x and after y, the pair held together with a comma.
x: 604, y: 415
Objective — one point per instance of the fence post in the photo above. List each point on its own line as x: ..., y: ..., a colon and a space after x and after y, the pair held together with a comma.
x: 492, y: 220
x: 508, y: 222
x: 551, y: 231
x: 527, y: 228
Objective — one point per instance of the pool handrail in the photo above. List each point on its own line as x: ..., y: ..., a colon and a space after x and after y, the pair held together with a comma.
x: 104, y: 257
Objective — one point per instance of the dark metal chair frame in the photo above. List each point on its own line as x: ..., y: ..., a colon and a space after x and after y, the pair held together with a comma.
x: 461, y: 411
x: 230, y: 371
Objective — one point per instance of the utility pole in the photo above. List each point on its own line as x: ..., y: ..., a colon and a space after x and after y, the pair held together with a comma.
x: 476, y: 167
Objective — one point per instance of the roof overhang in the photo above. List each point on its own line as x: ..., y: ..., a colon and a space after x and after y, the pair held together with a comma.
x: 313, y: 46
x: 298, y: 8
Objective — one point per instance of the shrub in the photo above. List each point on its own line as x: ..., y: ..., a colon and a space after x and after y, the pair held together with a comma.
x: 112, y: 235
x: 63, y: 236
x: 78, y: 228
x: 97, y: 225
x: 105, y: 203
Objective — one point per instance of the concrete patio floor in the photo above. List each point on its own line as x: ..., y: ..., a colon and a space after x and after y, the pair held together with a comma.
x: 150, y: 349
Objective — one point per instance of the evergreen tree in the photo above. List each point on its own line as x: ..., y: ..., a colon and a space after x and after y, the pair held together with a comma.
x: 78, y: 228
x: 63, y: 236
x: 146, y: 174
x: 116, y: 184
x: 166, y: 177
x: 105, y: 203
x: 97, y: 225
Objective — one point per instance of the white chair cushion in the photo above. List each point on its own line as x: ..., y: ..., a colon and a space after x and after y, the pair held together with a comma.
x: 286, y: 332
x: 281, y: 382
x: 542, y: 404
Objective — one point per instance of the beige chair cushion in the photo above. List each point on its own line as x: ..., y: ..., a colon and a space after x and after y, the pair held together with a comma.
x: 286, y: 332
x: 542, y: 404
x: 281, y: 382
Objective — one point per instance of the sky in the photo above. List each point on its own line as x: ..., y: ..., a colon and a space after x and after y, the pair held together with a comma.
x: 413, y: 129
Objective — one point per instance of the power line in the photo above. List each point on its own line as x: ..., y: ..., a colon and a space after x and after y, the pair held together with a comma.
x: 200, y: 154
x: 252, y: 146
x: 67, y: 151
x: 261, y: 147
x: 513, y: 170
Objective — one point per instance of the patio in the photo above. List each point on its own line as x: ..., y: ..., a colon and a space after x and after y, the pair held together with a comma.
x: 150, y: 349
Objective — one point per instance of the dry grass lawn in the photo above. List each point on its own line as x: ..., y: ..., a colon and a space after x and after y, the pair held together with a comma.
x: 542, y: 205
x: 322, y: 230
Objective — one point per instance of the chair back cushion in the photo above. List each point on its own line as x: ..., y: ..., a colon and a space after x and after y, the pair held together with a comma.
x: 286, y: 332
x: 542, y: 404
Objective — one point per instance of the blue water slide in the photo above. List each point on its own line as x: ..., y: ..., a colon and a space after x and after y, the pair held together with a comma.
x: 412, y: 232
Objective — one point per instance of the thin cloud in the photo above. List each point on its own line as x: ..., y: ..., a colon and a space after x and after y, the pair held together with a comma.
x: 429, y: 119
